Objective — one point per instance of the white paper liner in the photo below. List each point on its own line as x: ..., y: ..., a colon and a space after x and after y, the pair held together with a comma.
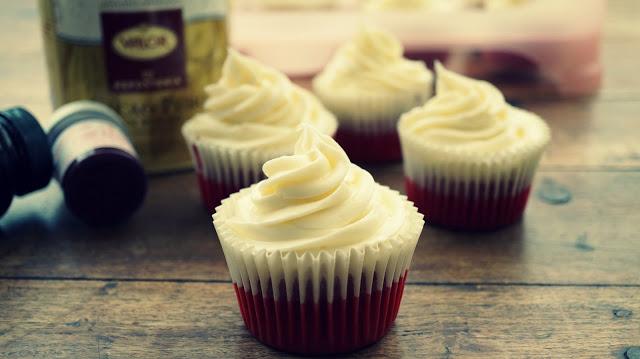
x: 240, y: 167
x: 231, y: 166
x: 438, y: 168
x: 370, y: 114
x: 257, y: 269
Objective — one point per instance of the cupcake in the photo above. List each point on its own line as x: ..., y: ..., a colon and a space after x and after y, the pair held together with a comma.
x: 368, y: 85
x: 250, y: 117
x: 469, y: 157
x: 318, y: 252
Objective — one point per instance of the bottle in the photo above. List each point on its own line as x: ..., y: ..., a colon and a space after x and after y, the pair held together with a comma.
x: 25, y: 159
x: 95, y: 163
x: 149, y: 60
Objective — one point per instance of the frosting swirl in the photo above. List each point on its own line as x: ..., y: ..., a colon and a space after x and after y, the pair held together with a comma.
x: 471, y: 116
x: 253, y: 105
x: 372, y: 64
x: 316, y: 199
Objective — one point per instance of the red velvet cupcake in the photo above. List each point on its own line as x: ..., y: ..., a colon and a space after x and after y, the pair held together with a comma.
x: 469, y: 157
x: 251, y: 116
x: 368, y: 85
x: 318, y: 252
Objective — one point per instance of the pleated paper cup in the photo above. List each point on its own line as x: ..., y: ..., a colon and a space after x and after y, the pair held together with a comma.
x: 462, y: 191
x: 319, y: 302
x: 222, y: 170
x: 367, y: 130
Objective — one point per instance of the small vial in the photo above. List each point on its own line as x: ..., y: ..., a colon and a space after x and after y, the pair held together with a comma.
x: 95, y: 163
x: 25, y: 160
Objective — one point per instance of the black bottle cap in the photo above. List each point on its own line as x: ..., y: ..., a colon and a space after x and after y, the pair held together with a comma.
x: 32, y: 147
x: 6, y: 178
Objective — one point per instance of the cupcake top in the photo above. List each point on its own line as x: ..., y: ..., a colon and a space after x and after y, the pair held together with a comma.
x: 253, y: 106
x: 470, y: 120
x: 371, y: 67
x: 316, y: 200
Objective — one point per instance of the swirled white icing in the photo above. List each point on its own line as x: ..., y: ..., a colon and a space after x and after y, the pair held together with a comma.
x: 373, y: 64
x: 253, y: 106
x: 315, y: 199
x: 471, y: 118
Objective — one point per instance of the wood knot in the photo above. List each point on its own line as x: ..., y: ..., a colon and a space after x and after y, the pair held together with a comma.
x: 554, y: 193
x: 622, y: 313
x: 632, y: 353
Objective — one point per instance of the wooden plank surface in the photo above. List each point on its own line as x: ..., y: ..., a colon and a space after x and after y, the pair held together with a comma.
x: 591, y: 135
x: 591, y: 239
x: 563, y: 283
x: 194, y: 320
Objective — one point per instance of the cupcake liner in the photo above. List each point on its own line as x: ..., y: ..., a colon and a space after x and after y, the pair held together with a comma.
x: 463, y: 193
x: 325, y: 327
x: 321, y: 279
x: 368, y: 148
x: 222, y: 171
x: 361, y: 109
x: 473, y: 206
x: 367, y: 128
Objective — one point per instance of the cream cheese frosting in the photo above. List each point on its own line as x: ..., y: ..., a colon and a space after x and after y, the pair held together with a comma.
x: 372, y: 64
x: 253, y: 106
x: 470, y: 120
x: 316, y: 199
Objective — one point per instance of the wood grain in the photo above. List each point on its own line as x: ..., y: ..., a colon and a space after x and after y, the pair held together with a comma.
x: 591, y: 239
x: 565, y: 280
x: 591, y: 135
x: 187, y: 320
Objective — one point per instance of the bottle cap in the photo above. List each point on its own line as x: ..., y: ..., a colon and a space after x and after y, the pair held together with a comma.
x: 32, y: 159
x: 6, y: 178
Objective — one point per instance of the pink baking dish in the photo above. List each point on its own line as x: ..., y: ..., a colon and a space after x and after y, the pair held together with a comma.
x: 541, y: 47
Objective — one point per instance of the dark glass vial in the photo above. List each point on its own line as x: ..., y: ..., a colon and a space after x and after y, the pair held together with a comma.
x: 98, y: 169
x: 25, y: 159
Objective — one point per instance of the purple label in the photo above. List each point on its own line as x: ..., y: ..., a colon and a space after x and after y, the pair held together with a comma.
x: 144, y: 51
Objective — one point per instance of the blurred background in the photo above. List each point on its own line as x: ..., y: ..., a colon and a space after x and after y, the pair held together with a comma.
x: 519, y: 41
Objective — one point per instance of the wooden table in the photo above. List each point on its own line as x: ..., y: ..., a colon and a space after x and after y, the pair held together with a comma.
x: 563, y: 283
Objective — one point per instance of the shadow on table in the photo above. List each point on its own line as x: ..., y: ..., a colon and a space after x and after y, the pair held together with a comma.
x: 171, y: 236
x: 463, y: 257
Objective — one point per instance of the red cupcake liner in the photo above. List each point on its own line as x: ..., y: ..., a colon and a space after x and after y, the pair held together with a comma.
x: 483, y: 207
x: 369, y: 147
x: 339, y: 326
x: 214, y: 191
